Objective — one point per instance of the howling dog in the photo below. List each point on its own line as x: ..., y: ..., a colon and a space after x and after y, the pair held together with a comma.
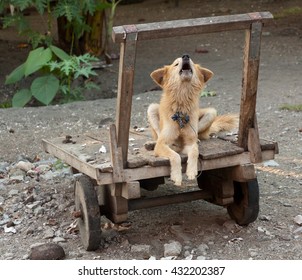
x: 177, y: 122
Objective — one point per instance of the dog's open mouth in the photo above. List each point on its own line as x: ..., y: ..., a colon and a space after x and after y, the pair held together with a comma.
x: 186, y: 68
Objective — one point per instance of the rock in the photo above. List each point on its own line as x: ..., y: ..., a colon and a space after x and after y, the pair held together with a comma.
x: 16, y: 178
x: 297, y: 219
x: 1, y: 199
x: 253, y: 253
x: 10, y: 229
x: 172, y: 249
x: 270, y: 163
x: 265, y: 218
x: 298, y: 230
x: 29, y: 199
x: 34, y: 205
x: 201, y: 258
x: 202, y: 249
x: 59, y: 239
x: 142, y: 249
x: 24, y: 165
x: 13, y: 192
x: 49, y: 175
x: 48, y: 251
x: 8, y: 256
x: 49, y: 233
x: 39, y: 210
x: 231, y: 226
x: 43, y: 168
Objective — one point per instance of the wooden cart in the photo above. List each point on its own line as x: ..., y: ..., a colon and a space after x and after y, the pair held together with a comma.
x: 111, y: 182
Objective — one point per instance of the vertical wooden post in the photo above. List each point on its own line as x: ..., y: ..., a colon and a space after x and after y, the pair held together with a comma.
x: 125, y: 89
x: 248, y: 136
x: 118, y: 204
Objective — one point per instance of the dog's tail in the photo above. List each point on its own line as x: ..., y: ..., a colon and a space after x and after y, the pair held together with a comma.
x: 221, y: 123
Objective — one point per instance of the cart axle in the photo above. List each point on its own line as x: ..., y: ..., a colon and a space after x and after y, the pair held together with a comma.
x: 136, y: 204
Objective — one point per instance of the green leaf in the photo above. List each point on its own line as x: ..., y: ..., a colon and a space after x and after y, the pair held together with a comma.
x: 103, y: 6
x: 36, y: 60
x: 45, y: 88
x: 21, y: 98
x: 16, y: 75
x: 60, y: 53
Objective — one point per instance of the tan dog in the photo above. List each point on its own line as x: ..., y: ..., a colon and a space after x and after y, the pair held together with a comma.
x: 177, y: 122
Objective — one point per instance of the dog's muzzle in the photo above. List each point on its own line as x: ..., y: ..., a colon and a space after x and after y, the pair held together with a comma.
x: 186, y: 65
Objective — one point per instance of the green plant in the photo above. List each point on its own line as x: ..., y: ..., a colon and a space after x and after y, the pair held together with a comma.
x: 59, y: 70
x: 286, y: 12
x: 289, y: 107
x: 208, y: 93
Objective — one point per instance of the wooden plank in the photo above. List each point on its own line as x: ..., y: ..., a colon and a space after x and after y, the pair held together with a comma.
x: 249, y: 85
x: 125, y: 91
x: 116, y: 157
x: 254, y: 146
x: 243, y: 173
x: 147, y: 171
x: 217, y: 148
x: 156, y: 30
x: 71, y: 159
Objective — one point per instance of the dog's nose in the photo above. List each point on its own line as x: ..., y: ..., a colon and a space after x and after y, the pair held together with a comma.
x: 185, y: 57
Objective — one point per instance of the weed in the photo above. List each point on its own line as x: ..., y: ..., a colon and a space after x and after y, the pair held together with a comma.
x: 292, y: 11
x: 289, y: 107
x: 208, y: 93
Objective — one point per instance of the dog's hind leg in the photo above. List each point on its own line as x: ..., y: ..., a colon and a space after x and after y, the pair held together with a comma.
x: 206, y: 117
x: 153, y: 117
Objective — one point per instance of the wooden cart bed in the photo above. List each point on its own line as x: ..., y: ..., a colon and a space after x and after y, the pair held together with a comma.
x: 90, y: 153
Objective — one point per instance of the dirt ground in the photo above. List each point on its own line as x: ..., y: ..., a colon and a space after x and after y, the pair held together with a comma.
x: 204, y: 230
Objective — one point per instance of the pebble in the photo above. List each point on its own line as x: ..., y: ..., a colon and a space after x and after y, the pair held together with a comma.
x: 297, y: 219
x: 59, y: 239
x: 34, y: 205
x: 10, y: 229
x: 202, y: 249
x: 201, y: 258
x: 172, y: 249
x: 48, y: 251
x: 39, y: 210
x: 253, y: 253
x: 271, y: 163
x: 16, y: 178
x: 24, y: 165
x: 143, y: 249
x: 13, y: 192
x: 49, y: 233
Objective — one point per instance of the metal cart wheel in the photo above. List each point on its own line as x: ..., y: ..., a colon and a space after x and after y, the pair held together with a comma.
x: 245, y: 208
x: 86, y: 205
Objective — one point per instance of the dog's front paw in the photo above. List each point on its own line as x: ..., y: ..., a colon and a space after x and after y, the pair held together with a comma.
x: 176, y: 178
x: 191, y: 174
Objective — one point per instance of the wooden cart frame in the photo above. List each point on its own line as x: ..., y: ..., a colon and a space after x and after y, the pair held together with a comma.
x: 226, y: 170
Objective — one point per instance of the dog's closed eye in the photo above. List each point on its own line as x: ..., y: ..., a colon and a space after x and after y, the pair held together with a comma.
x: 176, y: 64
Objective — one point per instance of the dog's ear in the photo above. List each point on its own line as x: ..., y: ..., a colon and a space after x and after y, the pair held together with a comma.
x: 158, y: 76
x: 206, y: 73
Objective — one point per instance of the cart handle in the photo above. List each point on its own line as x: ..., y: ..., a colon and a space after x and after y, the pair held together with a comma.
x: 174, y: 28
